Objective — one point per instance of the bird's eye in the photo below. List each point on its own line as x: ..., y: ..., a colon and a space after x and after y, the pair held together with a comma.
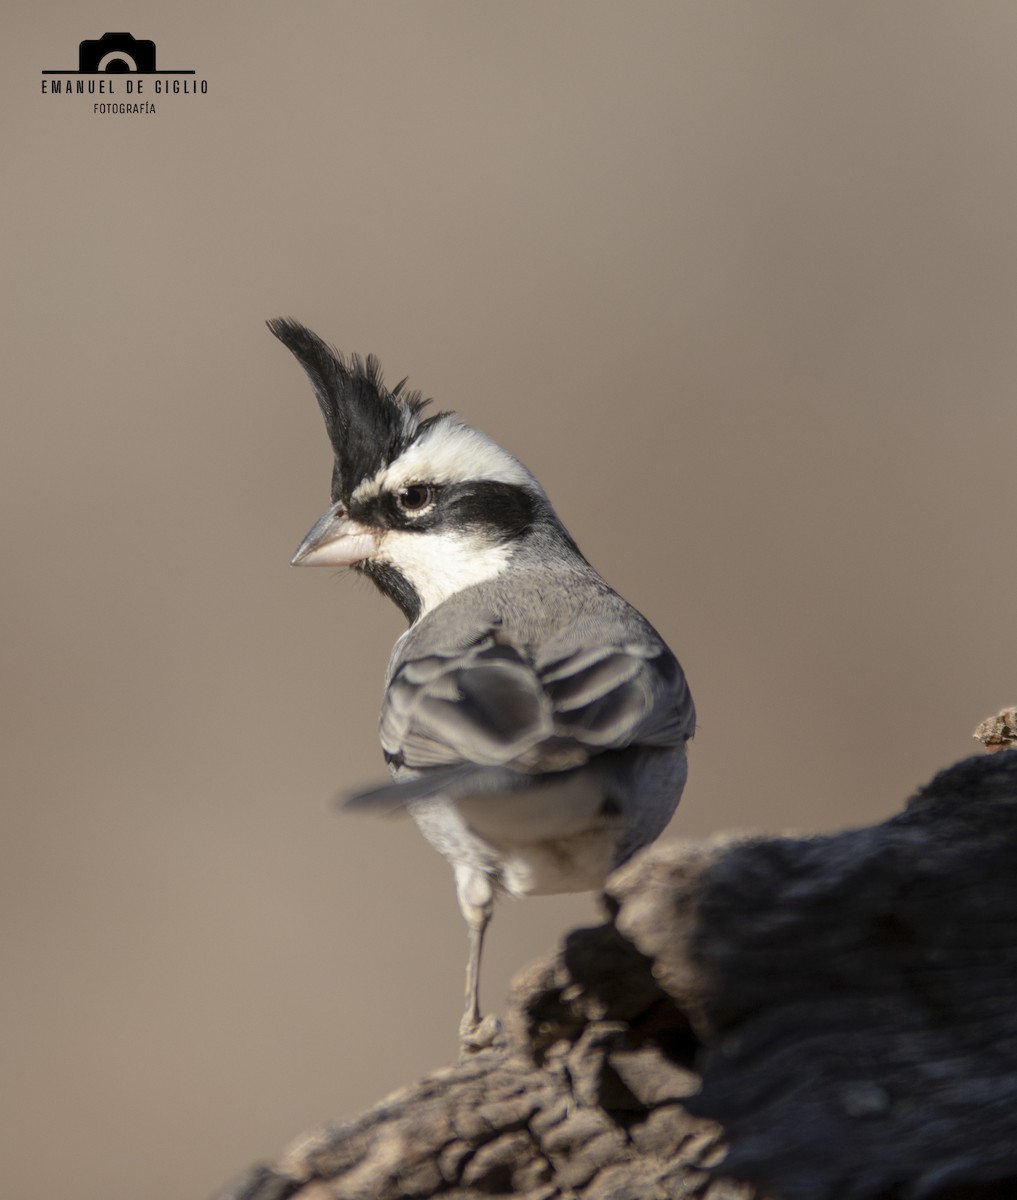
x: 415, y: 497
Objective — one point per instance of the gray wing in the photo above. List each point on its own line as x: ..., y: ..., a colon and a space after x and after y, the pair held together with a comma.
x: 493, y: 710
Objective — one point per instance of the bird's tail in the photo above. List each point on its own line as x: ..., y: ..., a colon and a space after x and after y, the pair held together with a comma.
x: 391, y: 799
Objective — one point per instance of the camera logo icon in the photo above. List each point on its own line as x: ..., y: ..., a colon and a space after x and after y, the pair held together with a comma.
x: 116, y: 52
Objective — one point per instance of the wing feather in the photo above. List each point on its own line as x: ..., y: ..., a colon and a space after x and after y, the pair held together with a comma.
x: 491, y: 704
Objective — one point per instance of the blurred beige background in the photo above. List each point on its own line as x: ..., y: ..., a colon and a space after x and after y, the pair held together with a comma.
x: 738, y: 281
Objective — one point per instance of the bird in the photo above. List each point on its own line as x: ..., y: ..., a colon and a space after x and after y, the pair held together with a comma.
x: 534, y: 723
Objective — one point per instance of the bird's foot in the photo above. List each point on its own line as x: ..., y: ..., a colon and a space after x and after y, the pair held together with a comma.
x: 476, y: 1035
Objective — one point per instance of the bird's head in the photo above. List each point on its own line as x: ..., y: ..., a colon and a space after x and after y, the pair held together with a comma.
x: 423, y: 506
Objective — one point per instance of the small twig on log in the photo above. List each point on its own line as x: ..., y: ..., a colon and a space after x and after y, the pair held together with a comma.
x: 998, y: 732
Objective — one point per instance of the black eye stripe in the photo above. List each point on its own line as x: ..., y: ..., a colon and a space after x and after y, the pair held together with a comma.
x: 501, y: 509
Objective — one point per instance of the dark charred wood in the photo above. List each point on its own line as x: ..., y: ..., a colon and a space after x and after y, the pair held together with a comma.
x: 826, y: 1018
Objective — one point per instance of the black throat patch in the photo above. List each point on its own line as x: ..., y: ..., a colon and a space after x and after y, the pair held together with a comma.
x: 394, y: 584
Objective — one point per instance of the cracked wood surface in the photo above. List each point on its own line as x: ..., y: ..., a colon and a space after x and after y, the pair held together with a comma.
x: 826, y: 1018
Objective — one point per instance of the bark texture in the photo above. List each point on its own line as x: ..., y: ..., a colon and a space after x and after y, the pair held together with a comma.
x: 827, y: 1018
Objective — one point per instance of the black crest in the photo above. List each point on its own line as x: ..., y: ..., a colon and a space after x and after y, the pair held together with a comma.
x: 368, y: 424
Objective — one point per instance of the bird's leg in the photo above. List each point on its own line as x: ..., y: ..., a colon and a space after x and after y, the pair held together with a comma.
x: 476, y: 899
x: 471, y: 1018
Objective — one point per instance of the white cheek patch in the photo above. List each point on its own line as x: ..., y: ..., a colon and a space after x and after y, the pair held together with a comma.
x: 440, y: 564
x: 449, y: 452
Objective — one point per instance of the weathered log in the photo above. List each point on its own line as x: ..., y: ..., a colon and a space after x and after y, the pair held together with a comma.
x: 825, y: 1018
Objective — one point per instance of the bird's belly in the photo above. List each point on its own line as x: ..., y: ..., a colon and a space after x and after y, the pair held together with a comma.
x: 558, y: 837
x: 575, y: 864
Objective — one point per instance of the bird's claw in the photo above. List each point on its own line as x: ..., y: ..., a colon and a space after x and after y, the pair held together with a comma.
x: 475, y: 1035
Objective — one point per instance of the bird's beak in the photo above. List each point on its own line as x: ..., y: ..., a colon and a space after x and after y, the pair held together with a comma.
x: 335, y: 541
